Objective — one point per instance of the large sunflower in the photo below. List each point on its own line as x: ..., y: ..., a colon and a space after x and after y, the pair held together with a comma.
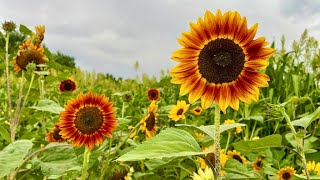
x: 54, y: 136
x: 285, y: 173
x: 148, y: 123
x: 68, y: 85
x: 177, y: 112
x: 153, y: 94
x: 219, y: 61
x: 28, y: 53
x: 86, y: 119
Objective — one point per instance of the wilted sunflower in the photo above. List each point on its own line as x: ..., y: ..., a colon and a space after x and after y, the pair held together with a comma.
x: 148, y: 123
x: 28, y: 53
x: 285, y: 173
x: 153, y: 94
x: 207, y: 174
x: 177, y: 112
x: 86, y: 119
x: 237, y: 156
x: 40, y: 30
x: 231, y: 121
x: 54, y: 136
x: 313, y: 168
x: 196, y: 111
x: 68, y: 85
x: 219, y: 61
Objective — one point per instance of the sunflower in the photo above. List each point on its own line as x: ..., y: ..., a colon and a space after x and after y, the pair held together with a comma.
x: 285, y: 173
x: 153, y: 94
x: 148, y: 123
x: 231, y: 121
x: 258, y: 164
x: 211, y: 157
x: 86, y: 119
x: 197, y: 111
x: 68, y: 85
x: 313, y: 168
x: 207, y: 174
x: 28, y: 53
x: 177, y: 112
x: 219, y: 61
x: 237, y: 156
x: 54, y: 136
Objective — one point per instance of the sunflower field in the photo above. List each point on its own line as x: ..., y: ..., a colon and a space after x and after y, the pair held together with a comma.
x: 233, y: 107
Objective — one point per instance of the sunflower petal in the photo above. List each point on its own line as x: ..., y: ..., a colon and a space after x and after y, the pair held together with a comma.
x: 208, y: 97
x: 197, y: 92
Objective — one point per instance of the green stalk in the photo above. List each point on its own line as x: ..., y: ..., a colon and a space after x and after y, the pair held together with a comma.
x: 217, y: 142
x: 227, y: 145
x: 123, y: 108
x: 254, y: 128
x: 86, y: 157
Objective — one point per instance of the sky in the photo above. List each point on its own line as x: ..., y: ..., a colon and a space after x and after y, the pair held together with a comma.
x: 110, y: 36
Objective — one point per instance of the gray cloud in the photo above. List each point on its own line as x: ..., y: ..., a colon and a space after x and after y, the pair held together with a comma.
x: 109, y: 36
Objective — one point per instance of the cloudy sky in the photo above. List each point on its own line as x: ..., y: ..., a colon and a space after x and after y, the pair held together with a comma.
x: 109, y: 36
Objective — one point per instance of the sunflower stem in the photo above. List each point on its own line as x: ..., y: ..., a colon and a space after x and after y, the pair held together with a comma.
x: 217, y: 142
x: 228, y: 141
x: 12, y: 126
x: 86, y: 157
x: 123, y: 108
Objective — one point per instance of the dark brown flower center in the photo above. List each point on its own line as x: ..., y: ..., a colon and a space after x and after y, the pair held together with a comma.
x: 56, y: 135
x: 259, y: 163
x: 68, y: 85
x: 237, y: 157
x: 27, y: 57
x: 286, y: 175
x: 89, y: 119
x: 197, y: 110
x: 211, y: 158
x: 221, y: 61
x: 180, y: 111
x: 150, y: 121
x: 153, y: 94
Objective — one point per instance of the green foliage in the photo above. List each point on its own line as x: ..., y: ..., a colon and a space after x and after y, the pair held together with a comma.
x: 49, y: 106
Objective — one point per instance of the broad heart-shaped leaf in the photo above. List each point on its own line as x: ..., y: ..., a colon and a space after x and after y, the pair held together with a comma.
x: 24, y: 30
x: 209, y: 130
x: 236, y: 170
x: 5, y: 134
x: 57, y: 160
x: 245, y: 147
x: 12, y: 156
x: 168, y: 143
x: 49, y: 106
x: 308, y: 119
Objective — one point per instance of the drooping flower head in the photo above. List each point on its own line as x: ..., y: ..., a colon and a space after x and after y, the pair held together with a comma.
x: 54, y: 136
x: 68, y: 85
x: 153, y: 94
x: 86, y: 119
x: 219, y: 61
x: 178, y: 111
x: 286, y: 173
x: 28, y: 53
x: 148, y: 123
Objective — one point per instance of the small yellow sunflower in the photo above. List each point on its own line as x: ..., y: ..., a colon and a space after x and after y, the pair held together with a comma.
x: 68, y: 85
x: 153, y: 94
x: 237, y: 156
x: 200, y: 136
x: 207, y: 174
x: 258, y: 164
x: 54, y: 136
x: 177, y: 112
x: 196, y: 111
x: 219, y: 61
x: 313, y: 168
x: 238, y: 128
x: 148, y: 123
x: 211, y: 157
x: 86, y: 119
x: 28, y: 53
x: 285, y: 173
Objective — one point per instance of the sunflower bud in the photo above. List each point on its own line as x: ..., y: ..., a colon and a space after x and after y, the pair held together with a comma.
x: 127, y: 97
x: 8, y: 26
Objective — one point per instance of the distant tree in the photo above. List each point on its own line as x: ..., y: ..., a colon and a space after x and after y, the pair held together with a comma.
x: 64, y: 59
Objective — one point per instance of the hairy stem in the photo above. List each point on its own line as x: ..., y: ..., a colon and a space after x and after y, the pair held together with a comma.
x: 217, y: 142
x: 86, y: 157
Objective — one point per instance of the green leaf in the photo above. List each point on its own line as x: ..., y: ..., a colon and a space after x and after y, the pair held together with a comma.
x: 12, y: 156
x: 24, y: 30
x: 123, y: 123
x: 168, y: 143
x: 57, y: 160
x: 5, y: 134
x: 49, y: 106
x: 237, y: 170
x: 308, y: 119
x: 304, y: 177
x: 209, y: 130
x: 246, y: 147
